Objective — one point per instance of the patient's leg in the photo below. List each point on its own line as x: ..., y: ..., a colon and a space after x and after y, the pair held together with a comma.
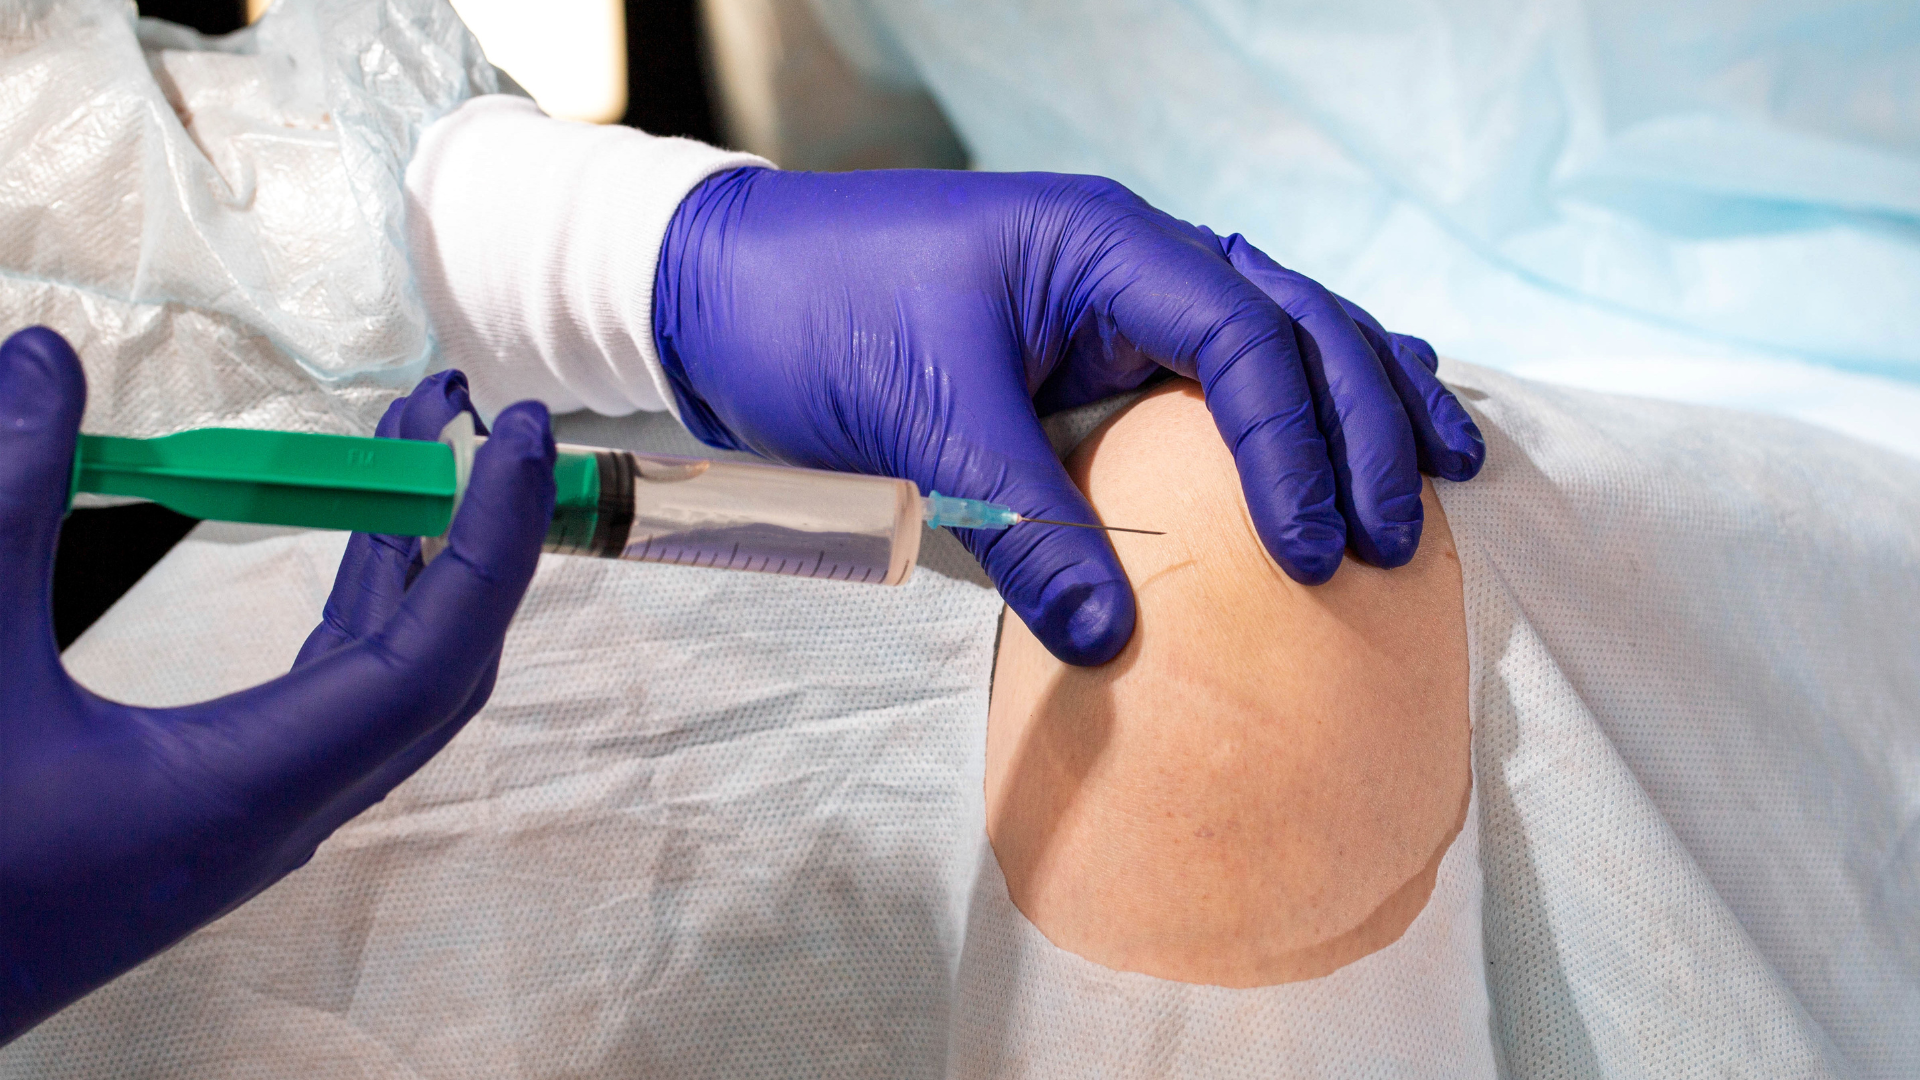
x: 1259, y: 789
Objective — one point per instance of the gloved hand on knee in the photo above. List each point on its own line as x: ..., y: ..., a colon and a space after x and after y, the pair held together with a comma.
x: 911, y: 323
x: 122, y: 828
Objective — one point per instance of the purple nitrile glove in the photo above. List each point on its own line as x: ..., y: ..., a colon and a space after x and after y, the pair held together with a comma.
x: 123, y: 829
x: 914, y: 324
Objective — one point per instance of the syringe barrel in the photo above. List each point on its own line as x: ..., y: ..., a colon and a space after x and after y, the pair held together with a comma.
x: 619, y: 504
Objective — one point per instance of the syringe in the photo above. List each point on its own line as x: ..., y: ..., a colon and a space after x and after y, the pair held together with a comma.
x: 619, y: 504
x: 610, y: 503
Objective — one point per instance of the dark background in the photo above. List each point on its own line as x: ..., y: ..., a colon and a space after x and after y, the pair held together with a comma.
x: 103, y: 552
x: 666, y: 88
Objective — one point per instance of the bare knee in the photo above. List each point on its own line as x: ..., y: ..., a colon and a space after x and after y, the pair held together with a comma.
x: 1259, y: 789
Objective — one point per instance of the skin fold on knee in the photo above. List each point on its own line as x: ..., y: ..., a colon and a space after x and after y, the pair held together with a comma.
x: 1259, y: 789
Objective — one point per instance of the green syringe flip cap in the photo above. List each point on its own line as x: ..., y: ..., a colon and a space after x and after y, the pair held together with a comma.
x: 400, y: 486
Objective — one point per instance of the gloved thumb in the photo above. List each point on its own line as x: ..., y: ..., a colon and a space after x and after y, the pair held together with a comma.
x: 1065, y: 583
x: 42, y: 394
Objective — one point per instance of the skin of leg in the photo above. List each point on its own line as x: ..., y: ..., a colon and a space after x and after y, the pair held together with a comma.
x: 1259, y: 789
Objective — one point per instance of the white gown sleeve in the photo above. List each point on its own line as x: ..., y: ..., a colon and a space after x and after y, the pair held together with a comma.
x: 534, y: 243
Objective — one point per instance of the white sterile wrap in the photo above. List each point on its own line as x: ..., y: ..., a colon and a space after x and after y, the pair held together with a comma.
x: 731, y: 825
x: 709, y: 824
x: 535, y: 241
x: 1695, y: 673
x: 1415, y: 1009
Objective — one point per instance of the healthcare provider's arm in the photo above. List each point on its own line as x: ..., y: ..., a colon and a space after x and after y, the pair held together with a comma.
x: 910, y: 323
x: 123, y: 829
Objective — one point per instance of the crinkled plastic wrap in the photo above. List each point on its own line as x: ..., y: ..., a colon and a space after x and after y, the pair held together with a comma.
x: 216, y: 223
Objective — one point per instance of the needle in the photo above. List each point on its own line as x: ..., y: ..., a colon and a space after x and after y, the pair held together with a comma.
x: 1103, y: 528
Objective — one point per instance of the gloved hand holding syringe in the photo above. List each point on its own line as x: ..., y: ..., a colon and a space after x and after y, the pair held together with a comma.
x: 609, y: 503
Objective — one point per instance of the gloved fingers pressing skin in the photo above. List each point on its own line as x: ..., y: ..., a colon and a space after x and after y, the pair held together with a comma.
x: 1265, y: 412
x: 1372, y: 447
x: 1066, y: 584
x: 343, y: 717
x: 42, y: 394
x: 1192, y: 312
x: 1449, y: 442
x: 375, y: 569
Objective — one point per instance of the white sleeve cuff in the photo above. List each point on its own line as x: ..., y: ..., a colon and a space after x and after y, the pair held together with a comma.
x: 534, y: 242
